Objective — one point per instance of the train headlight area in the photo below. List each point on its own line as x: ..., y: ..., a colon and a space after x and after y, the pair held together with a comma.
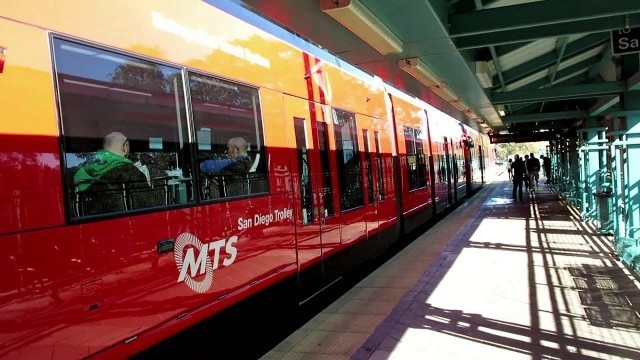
x: 202, y: 165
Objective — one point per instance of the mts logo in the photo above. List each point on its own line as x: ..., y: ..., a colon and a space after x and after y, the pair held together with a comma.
x: 201, y: 259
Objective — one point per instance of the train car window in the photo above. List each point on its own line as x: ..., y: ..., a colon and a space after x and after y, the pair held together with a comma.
x: 306, y: 197
x: 326, y: 169
x: 368, y: 167
x: 443, y: 167
x: 124, y: 130
x: 421, y: 160
x: 348, y: 160
x: 460, y: 169
x: 380, y: 165
x: 228, y: 123
x: 416, y: 164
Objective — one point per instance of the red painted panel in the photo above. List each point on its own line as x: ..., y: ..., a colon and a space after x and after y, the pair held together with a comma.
x: 91, y: 285
x: 353, y: 226
x: 30, y: 183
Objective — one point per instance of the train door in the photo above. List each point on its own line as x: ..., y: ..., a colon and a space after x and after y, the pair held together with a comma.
x: 448, y: 166
x: 383, y: 177
x: 459, y: 168
x: 371, y: 196
x: 313, y: 193
x: 455, y: 171
x: 468, y: 160
x: 329, y: 223
x: 481, y: 164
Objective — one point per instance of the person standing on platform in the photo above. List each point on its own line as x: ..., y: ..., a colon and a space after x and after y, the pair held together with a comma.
x: 509, y: 170
x: 526, y: 173
x: 546, y: 164
x: 518, y: 176
x: 533, y: 169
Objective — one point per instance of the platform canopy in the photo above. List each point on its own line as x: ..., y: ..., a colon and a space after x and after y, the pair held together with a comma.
x: 509, y: 66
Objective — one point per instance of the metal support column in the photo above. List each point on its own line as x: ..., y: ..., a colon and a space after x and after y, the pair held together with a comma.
x: 570, y: 170
x: 627, y: 150
x: 627, y: 196
x: 617, y: 171
x: 592, y: 167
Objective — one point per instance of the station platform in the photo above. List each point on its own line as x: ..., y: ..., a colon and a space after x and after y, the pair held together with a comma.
x: 495, y: 279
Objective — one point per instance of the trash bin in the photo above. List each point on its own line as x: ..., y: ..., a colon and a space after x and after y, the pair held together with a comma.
x: 605, y: 208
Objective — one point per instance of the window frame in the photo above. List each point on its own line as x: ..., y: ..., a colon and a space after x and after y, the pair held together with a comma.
x: 303, y: 158
x: 194, y: 143
x: 190, y: 137
x: 356, y: 149
x: 415, y: 140
x: 381, y: 180
x: 325, y: 166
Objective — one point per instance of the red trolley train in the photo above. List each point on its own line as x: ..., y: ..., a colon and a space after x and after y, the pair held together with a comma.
x: 336, y: 163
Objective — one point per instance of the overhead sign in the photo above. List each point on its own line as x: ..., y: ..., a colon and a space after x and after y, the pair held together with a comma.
x: 625, y: 41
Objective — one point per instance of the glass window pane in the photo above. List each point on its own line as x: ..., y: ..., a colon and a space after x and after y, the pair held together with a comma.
x: 306, y: 197
x: 231, y: 154
x: 368, y: 167
x: 415, y: 158
x: 125, y: 131
x: 326, y: 170
x: 348, y: 160
x: 381, y: 188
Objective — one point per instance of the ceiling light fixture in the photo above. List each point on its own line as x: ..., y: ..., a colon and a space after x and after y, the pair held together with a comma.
x: 416, y: 68
x: 421, y: 72
x: 445, y: 92
x: 357, y: 18
x: 484, y: 74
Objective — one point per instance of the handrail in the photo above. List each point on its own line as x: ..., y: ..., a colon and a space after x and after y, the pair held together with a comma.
x: 632, y: 230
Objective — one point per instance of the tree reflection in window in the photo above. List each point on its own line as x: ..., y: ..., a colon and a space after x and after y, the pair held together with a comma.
x: 102, y: 93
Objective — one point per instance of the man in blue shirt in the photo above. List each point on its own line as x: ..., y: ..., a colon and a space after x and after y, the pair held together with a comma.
x: 238, y: 162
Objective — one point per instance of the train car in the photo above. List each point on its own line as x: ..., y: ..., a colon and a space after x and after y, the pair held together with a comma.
x: 474, y: 154
x: 450, y: 181
x: 414, y: 180
x: 162, y: 161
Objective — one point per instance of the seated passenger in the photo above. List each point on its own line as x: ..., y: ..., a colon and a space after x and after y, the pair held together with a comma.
x: 237, y: 162
x: 110, y: 166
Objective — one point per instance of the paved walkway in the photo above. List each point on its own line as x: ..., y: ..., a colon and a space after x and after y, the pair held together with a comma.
x: 496, y: 279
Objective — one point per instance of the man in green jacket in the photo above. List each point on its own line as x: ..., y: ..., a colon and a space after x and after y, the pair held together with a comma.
x: 111, y: 166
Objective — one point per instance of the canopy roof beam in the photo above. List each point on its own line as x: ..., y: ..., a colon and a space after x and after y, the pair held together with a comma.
x: 548, y: 59
x: 573, y: 69
x: 603, y: 104
x: 633, y: 83
x: 559, y: 93
x: 545, y: 31
x: 527, y: 118
x: 535, y: 14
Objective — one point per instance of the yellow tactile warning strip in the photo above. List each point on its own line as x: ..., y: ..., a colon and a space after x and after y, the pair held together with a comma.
x: 496, y: 279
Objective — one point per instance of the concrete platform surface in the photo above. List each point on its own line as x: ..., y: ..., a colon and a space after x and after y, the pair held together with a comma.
x: 496, y: 279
